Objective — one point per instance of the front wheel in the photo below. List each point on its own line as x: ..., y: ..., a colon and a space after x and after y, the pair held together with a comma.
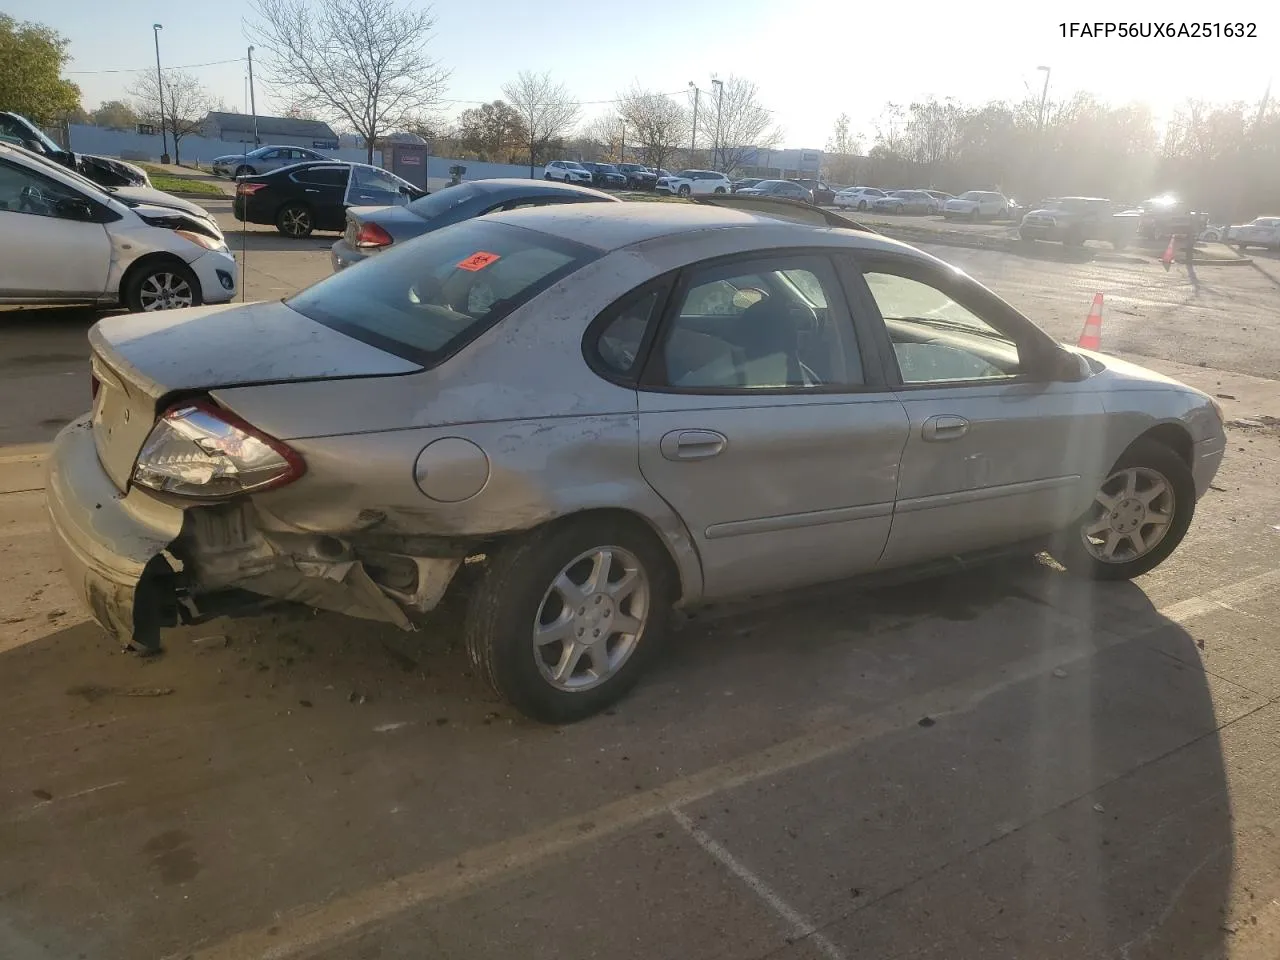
x: 245, y: 171
x: 862, y: 205
x: 294, y: 220
x: 719, y: 189
x: 683, y: 191
x: 168, y: 285
x: 564, y: 619
x: 1137, y: 518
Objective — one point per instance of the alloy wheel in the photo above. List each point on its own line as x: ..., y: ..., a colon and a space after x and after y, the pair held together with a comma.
x: 296, y: 221
x: 165, y: 291
x: 1131, y: 514
x: 591, y: 619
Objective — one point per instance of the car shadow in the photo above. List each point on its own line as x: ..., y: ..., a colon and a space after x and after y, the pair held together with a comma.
x: 1044, y: 768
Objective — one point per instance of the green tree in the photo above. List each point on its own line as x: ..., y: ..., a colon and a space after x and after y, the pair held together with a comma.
x: 116, y: 115
x: 30, y: 81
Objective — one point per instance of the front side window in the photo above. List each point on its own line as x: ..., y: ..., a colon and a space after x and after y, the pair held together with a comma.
x: 23, y: 191
x: 935, y: 338
x: 427, y: 299
x: 763, y: 325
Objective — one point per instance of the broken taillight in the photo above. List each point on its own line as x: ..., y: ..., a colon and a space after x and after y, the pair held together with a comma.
x: 201, y: 451
x: 372, y: 235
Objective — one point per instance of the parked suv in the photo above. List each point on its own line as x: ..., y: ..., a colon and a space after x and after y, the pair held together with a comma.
x: 567, y: 171
x: 638, y: 177
x: 1073, y: 220
x: 688, y: 182
x: 606, y: 175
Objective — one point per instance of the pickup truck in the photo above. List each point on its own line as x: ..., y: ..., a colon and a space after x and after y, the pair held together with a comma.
x: 1073, y: 220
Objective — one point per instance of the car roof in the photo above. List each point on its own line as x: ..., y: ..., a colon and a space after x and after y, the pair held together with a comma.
x: 523, y: 186
x: 612, y: 226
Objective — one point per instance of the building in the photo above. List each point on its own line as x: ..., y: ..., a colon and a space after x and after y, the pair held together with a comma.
x: 238, y: 128
x: 779, y: 164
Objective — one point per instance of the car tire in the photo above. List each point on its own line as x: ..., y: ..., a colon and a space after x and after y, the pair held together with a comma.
x: 862, y: 205
x: 244, y: 170
x: 973, y: 215
x: 684, y: 191
x: 1148, y: 461
x: 522, y: 590
x: 546, y: 176
x: 719, y: 189
x: 295, y: 220
x: 161, y: 285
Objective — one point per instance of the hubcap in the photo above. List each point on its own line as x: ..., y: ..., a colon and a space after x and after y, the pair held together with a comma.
x: 591, y: 618
x: 1131, y: 515
x: 165, y: 291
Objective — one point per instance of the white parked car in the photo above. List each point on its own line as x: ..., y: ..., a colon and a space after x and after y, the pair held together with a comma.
x: 1259, y: 232
x: 694, y: 182
x: 906, y: 201
x: 858, y: 198
x: 566, y: 171
x: 64, y: 239
x: 977, y: 205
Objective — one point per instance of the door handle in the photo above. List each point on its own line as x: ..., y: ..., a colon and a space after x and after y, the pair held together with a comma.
x: 944, y: 427
x: 311, y: 190
x: 693, y: 444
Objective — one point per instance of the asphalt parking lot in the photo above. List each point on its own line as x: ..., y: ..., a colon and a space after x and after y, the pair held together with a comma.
x: 1000, y: 763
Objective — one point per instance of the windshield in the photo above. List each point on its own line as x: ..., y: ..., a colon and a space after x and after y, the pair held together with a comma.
x: 971, y: 195
x: 426, y: 299
x: 606, y: 168
x: 80, y: 179
x: 573, y: 165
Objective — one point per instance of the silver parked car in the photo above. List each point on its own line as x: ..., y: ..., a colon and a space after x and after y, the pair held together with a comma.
x: 601, y: 411
x: 262, y: 160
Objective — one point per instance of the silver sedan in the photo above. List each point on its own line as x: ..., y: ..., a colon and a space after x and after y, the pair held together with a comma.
x: 603, y: 411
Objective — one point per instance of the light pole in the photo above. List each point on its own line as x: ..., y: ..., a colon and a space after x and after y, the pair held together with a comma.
x: 253, y: 107
x: 1044, y: 96
x: 719, y: 104
x: 164, y: 141
x: 693, y: 139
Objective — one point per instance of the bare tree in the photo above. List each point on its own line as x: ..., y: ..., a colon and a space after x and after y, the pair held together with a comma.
x: 607, y: 133
x: 656, y: 124
x: 359, y: 61
x: 734, y: 122
x: 545, y: 108
x: 185, y: 101
x: 841, y: 160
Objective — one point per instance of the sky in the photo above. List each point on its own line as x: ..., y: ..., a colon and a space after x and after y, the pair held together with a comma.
x: 810, y: 62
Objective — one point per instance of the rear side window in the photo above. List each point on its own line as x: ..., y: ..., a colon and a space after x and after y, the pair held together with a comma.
x: 322, y: 176
x: 426, y: 300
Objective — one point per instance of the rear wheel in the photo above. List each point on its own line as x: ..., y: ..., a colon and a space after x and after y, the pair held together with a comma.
x: 719, y: 189
x: 1138, y: 517
x: 166, y: 285
x: 295, y: 220
x: 862, y: 205
x: 563, y: 620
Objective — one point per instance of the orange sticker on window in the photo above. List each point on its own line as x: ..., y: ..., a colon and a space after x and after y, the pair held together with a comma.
x: 478, y: 261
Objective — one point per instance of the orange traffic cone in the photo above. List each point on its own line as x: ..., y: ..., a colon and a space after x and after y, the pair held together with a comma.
x: 1167, y: 258
x: 1091, y: 336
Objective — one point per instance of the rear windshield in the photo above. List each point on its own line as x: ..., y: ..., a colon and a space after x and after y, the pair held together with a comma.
x: 442, y: 201
x: 427, y: 299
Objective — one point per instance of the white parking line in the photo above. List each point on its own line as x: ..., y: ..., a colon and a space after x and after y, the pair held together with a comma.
x: 306, y: 929
x: 803, y: 926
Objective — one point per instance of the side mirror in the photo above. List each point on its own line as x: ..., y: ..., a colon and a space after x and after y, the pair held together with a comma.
x: 73, y: 208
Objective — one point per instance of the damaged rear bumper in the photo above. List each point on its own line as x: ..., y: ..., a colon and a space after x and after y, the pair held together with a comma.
x: 139, y: 563
x: 109, y: 542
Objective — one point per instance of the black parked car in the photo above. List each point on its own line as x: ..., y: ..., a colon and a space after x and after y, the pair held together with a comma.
x: 606, y: 175
x: 315, y: 195
x: 822, y: 194
x: 778, y: 188
x: 104, y: 171
x: 638, y: 177
x: 371, y: 229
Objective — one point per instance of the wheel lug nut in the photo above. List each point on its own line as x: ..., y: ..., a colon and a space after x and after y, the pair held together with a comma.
x: 595, y: 633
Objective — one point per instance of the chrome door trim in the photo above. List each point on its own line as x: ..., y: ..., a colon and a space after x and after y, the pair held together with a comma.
x: 795, y: 521
x: 984, y: 493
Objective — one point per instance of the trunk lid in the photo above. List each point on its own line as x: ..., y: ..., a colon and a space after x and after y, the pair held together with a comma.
x: 141, y: 359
